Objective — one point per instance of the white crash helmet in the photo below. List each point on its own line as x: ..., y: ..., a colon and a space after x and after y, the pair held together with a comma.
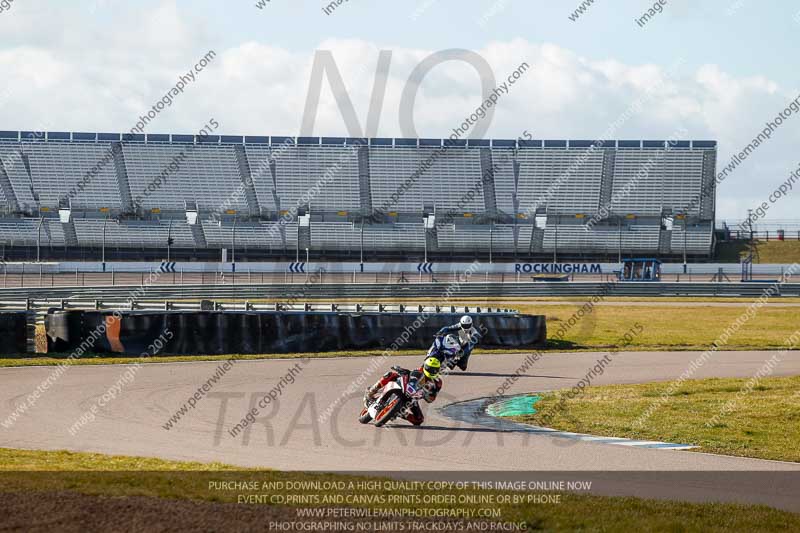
x: 451, y: 344
x: 465, y: 322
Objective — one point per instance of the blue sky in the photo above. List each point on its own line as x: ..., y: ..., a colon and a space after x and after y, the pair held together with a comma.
x: 753, y: 39
x: 99, y: 64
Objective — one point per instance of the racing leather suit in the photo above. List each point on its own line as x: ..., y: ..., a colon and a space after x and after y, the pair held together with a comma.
x: 430, y: 386
x: 468, y: 338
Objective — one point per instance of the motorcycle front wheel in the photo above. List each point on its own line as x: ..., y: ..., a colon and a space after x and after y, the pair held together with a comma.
x: 364, y: 417
x: 389, y: 408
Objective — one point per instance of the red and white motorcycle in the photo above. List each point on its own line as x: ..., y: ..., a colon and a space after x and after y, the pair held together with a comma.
x: 395, y: 399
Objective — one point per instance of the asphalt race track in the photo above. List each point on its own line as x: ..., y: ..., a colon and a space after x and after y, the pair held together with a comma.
x: 293, y: 433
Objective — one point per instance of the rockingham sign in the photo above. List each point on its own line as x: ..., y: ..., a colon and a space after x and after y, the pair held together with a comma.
x: 302, y: 268
x: 558, y: 268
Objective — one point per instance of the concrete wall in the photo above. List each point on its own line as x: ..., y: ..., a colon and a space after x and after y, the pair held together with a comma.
x: 525, y: 269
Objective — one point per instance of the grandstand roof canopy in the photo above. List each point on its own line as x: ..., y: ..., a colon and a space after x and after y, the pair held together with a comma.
x: 152, y: 138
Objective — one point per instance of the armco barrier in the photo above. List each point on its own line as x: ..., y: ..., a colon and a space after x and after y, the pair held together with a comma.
x: 488, y: 291
x: 253, y: 332
x: 13, y: 332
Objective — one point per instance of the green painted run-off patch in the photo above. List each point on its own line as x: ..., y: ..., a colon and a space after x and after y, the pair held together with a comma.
x: 519, y: 405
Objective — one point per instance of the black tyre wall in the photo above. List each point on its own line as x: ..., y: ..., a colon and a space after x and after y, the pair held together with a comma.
x: 253, y: 332
x: 13, y: 332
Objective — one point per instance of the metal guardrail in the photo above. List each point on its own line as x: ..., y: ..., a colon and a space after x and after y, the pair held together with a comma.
x: 432, y: 291
x: 168, y: 305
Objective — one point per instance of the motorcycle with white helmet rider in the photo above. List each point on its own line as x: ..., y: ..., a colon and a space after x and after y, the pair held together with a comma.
x: 464, y: 339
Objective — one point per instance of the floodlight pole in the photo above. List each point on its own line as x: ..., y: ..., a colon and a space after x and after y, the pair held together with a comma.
x: 103, y: 252
x: 233, y: 245
x: 39, y: 240
x: 169, y: 237
x: 684, y: 244
x: 491, y: 239
x: 425, y: 237
x: 555, y: 247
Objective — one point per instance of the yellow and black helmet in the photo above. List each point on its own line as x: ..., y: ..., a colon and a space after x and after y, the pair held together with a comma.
x: 431, y: 367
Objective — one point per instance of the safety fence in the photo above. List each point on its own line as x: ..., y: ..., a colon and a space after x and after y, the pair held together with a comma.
x: 489, y: 293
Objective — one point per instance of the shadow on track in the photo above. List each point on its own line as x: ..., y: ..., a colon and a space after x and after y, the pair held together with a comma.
x: 424, y: 427
x: 496, y: 375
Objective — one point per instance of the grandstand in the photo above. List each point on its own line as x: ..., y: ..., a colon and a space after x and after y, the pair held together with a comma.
x: 67, y: 195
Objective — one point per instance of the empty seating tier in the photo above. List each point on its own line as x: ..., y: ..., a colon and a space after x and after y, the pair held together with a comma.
x: 207, y: 175
x: 517, y: 197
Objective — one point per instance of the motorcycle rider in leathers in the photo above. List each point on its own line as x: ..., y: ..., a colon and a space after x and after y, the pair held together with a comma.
x: 425, y: 378
x: 467, y: 337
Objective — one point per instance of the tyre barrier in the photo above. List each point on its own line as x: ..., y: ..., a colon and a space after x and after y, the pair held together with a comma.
x: 254, y: 332
x: 14, y: 332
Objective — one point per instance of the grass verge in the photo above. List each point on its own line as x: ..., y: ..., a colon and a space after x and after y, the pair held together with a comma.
x: 772, y: 251
x: 116, y: 476
x: 710, y: 413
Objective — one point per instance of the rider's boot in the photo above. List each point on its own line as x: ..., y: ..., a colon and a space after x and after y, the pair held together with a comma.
x: 370, y: 393
x: 415, y: 416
